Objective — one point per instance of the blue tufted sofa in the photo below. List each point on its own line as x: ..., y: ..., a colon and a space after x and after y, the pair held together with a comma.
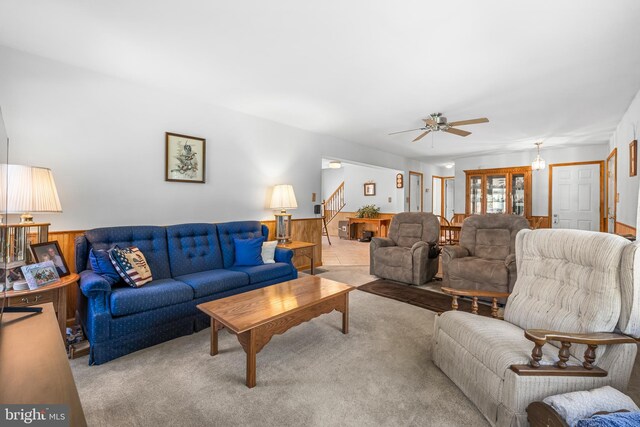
x: 190, y: 263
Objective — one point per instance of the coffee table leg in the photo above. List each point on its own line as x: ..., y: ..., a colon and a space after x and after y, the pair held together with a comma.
x: 251, y: 358
x: 214, y: 336
x: 345, y: 315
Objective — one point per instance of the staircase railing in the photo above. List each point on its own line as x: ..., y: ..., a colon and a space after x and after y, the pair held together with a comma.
x: 334, y: 203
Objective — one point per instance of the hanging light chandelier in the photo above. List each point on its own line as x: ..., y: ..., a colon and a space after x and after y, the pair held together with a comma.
x: 539, y: 163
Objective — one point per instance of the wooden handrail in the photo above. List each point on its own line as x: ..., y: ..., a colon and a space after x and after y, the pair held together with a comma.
x: 334, y: 203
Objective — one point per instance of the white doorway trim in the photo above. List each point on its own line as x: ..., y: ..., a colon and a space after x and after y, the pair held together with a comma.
x: 421, y: 178
x: 594, y: 162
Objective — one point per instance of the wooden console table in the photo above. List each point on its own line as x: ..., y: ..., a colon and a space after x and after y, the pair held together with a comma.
x: 35, y: 369
x: 382, y: 225
x: 55, y: 293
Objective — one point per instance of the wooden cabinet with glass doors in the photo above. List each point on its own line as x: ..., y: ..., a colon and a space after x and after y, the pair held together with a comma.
x: 504, y: 190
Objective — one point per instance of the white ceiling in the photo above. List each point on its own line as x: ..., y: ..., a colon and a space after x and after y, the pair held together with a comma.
x: 559, y: 70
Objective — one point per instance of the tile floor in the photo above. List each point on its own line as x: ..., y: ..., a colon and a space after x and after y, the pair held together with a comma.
x: 344, y: 252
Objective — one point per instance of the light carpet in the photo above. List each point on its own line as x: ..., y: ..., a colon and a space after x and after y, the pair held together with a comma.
x: 313, y: 375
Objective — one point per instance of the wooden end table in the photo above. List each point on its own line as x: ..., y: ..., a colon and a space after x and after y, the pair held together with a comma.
x: 55, y: 293
x: 301, y: 248
x: 258, y: 315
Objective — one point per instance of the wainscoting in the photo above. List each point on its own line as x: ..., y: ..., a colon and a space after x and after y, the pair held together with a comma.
x: 305, y: 229
x: 625, y: 229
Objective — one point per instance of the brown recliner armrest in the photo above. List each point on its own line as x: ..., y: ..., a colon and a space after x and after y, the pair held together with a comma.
x: 592, y: 340
x: 452, y: 252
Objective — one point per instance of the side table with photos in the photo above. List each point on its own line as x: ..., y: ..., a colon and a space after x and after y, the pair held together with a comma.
x: 55, y: 293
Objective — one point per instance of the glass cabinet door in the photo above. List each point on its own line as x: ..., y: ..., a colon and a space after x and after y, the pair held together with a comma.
x: 496, y: 194
x: 475, y: 195
x: 517, y: 194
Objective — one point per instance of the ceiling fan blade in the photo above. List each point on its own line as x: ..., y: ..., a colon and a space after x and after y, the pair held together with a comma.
x: 458, y: 132
x: 469, y: 122
x: 403, y: 131
x: 430, y: 121
x: 422, y: 135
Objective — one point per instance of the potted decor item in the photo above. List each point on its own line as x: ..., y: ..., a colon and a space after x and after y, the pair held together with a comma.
x: 368, y: 211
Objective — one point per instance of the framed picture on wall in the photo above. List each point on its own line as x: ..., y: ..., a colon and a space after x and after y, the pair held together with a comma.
x: 370, y: 189
x: 633, y: 158
x: 184, y: 158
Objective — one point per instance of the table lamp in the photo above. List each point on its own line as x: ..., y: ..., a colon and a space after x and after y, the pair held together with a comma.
x: 29, y: 189
x: 283, y: 198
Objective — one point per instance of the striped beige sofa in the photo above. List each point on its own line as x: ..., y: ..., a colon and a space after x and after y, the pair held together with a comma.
x: 568, y: 280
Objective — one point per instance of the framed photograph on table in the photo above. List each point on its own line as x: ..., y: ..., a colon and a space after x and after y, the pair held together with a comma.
x: 50, y: 251
x: 184, y: 158
x: 370, y: 189
x: 41, y: 274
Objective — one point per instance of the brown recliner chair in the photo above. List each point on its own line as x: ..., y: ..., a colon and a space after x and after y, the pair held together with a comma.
x: 410, y: 253
x: 485, y: 258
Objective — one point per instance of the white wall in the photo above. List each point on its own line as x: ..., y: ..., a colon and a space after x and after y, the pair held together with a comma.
x: 104, y: 140
x: 540, y: 179
x: 627, y: 131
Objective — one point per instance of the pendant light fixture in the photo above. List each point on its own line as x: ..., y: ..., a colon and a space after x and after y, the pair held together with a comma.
x: 539, y: 163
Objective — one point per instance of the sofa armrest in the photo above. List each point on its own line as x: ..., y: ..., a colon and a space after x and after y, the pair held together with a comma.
x: 452, y: 252
x: 283, y: 255
x: 92, y: 284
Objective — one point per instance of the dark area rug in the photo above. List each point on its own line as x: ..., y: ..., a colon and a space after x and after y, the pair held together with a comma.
x: 424, y: 298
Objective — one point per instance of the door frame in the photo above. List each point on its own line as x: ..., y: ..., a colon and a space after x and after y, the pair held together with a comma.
x: 591, y: 162
x: 442, y: 190
x: 421, y: 175
x: 614, y: 153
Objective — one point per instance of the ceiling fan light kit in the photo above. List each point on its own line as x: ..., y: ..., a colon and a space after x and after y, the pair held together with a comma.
x: 538, y: 163
x: 436, y: 122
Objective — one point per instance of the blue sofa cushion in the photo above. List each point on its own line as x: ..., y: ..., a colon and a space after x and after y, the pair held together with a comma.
x: 248, y: 251
x: 193, y: 248
x: 265, y: 272
x: 151, y: 240
x: 239, y: 230
x: 101, y: 264
x: 213, y: 281
x: 159, y: 293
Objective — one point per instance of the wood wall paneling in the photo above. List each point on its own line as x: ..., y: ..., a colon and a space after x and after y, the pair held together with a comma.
x: 305, y: 229
x: 625, y: 229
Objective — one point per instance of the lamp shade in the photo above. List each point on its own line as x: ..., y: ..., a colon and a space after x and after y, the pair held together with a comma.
x: 283, y: 197
x: 27, y: 189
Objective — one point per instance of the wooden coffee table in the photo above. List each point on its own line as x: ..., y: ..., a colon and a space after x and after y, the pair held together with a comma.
x: 258, y: 315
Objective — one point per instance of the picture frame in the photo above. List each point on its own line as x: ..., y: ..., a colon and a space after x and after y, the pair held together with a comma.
x: 40, y: 274
x: 10, y: 276
x: 50, y: 251
x: 633, y: 158
x: 185, y: 158
x: 370, y: 189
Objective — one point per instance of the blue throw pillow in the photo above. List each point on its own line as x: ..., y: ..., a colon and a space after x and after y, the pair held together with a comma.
x: 101, y: 264
x: 248, y: 251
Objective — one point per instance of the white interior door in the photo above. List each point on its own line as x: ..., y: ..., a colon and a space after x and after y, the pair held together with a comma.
x: 449, y: 197
x: 437, y: 196
x: 575, y: 198
x: 415, y: 192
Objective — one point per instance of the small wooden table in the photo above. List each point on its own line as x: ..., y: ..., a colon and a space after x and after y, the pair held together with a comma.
x: 382, y: 225
x: 301, y: 248
x: 55, y: 293
x: 35, y: 369
x: 258, y: 315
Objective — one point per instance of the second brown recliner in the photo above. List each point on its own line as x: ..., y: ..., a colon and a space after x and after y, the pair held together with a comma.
x: 485, y: 257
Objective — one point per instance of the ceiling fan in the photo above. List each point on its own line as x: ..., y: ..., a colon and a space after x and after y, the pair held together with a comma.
x: 437, y: 122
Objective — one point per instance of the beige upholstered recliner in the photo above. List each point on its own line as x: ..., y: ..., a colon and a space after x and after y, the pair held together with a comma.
x: 570, y: 281
x: 485, y: 257
x: 404, y: 255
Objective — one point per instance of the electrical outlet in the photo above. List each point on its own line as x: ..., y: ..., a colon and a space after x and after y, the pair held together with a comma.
x: 389, y: 199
